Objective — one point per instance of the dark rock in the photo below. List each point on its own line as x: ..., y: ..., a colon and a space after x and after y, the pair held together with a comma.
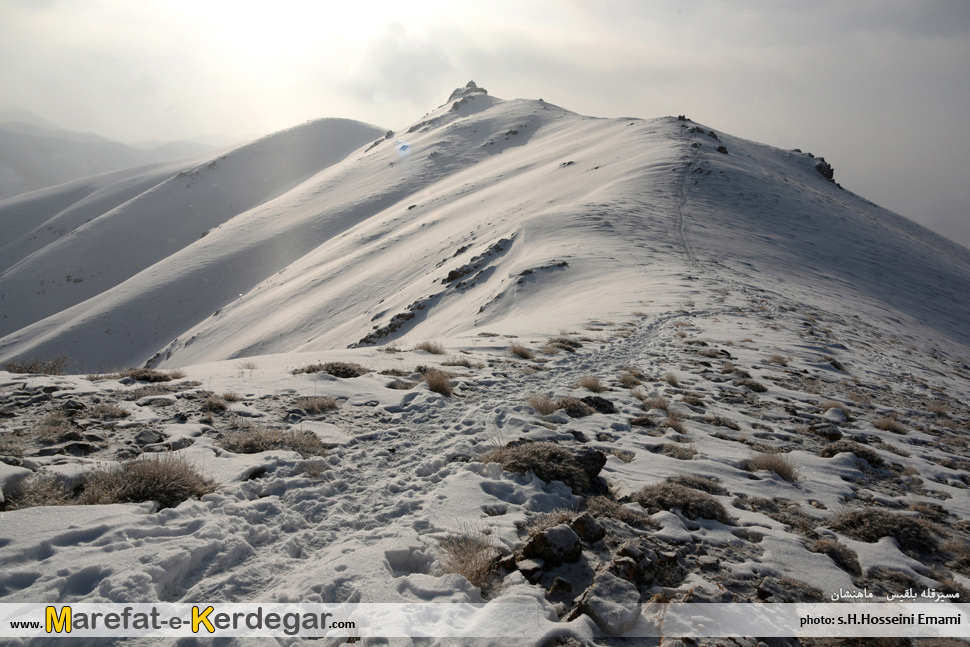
x: 560, y: 587
x: 612, y: 603
x: 624, y: 568
x: 50, y: 388
x: 575, y: 409
x: 554, y: 546
x: 578, y: 435
x: 530, y: 568
x: 148, y: 437
x: 722, y: 149
x: 601, y: 405
x: 825, y: 169
x: 74, y: 405
x: 837, y: 365
x: 588, y: 528
x: 591, y: 460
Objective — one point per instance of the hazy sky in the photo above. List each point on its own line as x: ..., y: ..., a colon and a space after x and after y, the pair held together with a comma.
x: 880, y: 88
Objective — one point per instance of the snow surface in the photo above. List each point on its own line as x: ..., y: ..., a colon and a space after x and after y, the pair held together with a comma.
x: 619, y: 233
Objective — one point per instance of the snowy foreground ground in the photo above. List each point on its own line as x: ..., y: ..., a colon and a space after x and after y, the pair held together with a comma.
x: 784, y: 399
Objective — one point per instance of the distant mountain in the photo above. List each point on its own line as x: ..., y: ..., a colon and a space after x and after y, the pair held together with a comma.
x: 487, y: 213
x: 34, y: 156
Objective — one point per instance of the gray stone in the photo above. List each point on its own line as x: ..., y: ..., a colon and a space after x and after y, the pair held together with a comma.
x: 555, y: 546
x: 612, y: 603
x: 588, y: 528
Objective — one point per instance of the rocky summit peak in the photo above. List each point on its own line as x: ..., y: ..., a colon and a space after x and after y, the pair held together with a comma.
x: 470, y: 88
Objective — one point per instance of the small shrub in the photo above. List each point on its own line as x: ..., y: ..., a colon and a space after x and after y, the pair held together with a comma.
x: 888, y: 424
x: 565, y: 343
x: 546, y: 520
x: 643, y: 421
x: 678, y: 451
x: 469, y: 552
x: 518, y: 350
x: 693, y: 400
x: 336, y: 369
x: 825, y: 405
x: 167, y: 479
x: 601, y: 506
x: 548, y: 461
x: 177, y: 374
x: 438, y: 382
x: 253, y: 439
x: 843, y: 556
x: 676, y: 422
x: 231, y: 396
x: 316, y: 405
x: 914, y: 536
x: 38, y: 366
x: 754, y: 385
x: 214, y: 404
x: 780, y: 464
x: 145, y: 391
x: 41, y: 489
x: 591, y: 383
x: 401, y: 385
x: 692, y: 503
x: 549, y: 349
x: 248, y: 365
x: 542, y: 404
x: 108, y: 412
x: 396, y: 372
x: 671, y: 379
x: 860, y: 398
x: 870, y: 455
x: 936, y: 408
x: 575, y: 408
x: 779, y: 360
x: 623, y: 455
x: 313, y: 469
x: 433, y: 347
x: 720, y: 421
x: 53, y: 426
x: 629, y: 380
x: 458, y: 360
x: 146, y: 375
x: 707, y: 484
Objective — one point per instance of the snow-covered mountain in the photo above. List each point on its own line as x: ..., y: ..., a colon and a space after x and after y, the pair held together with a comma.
x: 35, y: 155
x: 743, y: 383
x: 484, y: 214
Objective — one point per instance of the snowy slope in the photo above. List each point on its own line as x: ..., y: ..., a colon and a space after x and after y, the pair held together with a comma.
x: 592, y: 208
x: 733, y: 305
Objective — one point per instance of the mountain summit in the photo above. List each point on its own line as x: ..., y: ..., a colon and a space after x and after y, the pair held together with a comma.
x: 512, y: 216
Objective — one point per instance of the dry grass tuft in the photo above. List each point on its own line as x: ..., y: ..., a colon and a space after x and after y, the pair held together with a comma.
x: 591, y: 383
x: 546, y: 520
x: 108, y: 412
x: 165, y: 478
x: 825, y: 405
x: 629, y: 380
x: 575, y: 408
x: 53, y: 426
x: 469, y: 552
x: 780, y: 464
x: 671, y: 379
x: 780, y: 360
x: 313, y: 469
x: 317, y: 404
x: 542, y: 404
x: 548, y: 461
x: 40, y: 490
x: 623, y: 455
x: 601, y: 506
x: 937, y: 408
x: 401, y: 385
x: 679, y: 451
x: 659, y: 402
x: 888, y: 424
x: 438, y: 382
x: 433, y: 347
x: 843, y: 556
x: 214, y: 404
x: 38, y: 366
x: 252, y: 440
x: 676, y: 422
x: 464, y: 362
x: 754, y: 385
x: 231, y: 396
x: 692, y: 503
x: 518, y: 350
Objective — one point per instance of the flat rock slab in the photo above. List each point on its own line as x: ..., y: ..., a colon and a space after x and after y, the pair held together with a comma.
x: 612, y: 603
